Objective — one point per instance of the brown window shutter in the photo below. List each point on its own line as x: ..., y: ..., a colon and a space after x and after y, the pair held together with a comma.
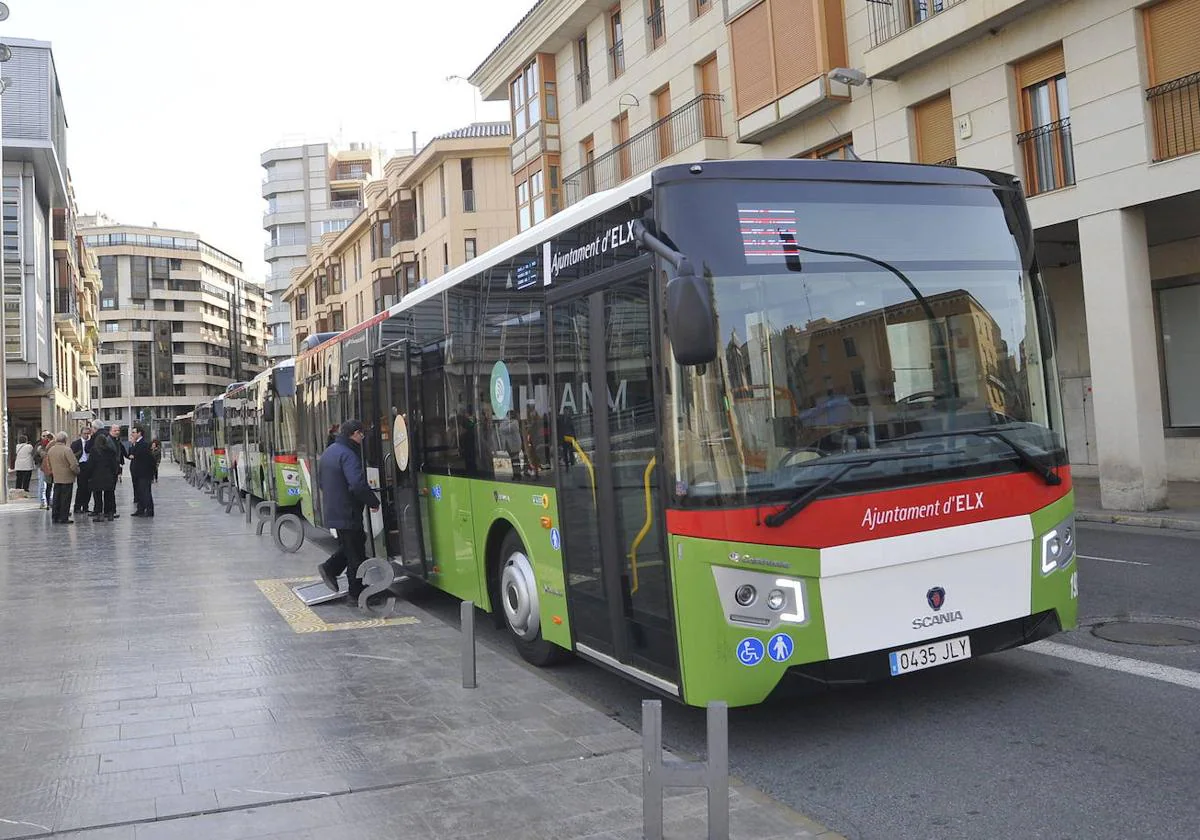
x: 1173, y: 40
x: 754, y: 79
x: 935, y: 130
x: 794, y: 37
x: 1040, y: 67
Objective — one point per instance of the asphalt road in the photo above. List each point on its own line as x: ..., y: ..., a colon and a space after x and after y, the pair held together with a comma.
x: 1021, y: 744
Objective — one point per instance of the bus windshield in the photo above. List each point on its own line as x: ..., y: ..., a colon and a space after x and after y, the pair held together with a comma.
x: 859, y: 320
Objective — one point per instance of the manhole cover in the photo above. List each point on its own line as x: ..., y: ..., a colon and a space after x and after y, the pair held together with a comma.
x: 1157, y: 633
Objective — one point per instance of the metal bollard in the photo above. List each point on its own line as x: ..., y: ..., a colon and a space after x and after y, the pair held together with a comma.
x: 658, y: 774
x: 467, y: 622
x: 265, y: 511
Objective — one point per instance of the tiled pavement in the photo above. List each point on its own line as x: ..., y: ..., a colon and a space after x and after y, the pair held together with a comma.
x: 151, y: 690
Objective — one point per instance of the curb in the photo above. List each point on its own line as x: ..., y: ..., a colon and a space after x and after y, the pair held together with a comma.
x: 1141, y: 520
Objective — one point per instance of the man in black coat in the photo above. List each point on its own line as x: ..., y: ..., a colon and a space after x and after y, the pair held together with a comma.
x: 344, y: 494
x: 105, y: 458
x: 141, y: 472
x: 81, y: 446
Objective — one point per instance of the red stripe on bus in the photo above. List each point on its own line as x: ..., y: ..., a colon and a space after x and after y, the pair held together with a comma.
x: 286, y: 459
x: 873, y: 516
x: 218, y: 451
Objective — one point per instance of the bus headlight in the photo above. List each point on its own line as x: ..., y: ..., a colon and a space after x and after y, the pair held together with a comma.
x: 1058, y: 546
x: 776, y: 599
x: 745, y: 595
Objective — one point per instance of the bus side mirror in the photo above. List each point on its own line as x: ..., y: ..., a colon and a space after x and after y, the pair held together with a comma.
x: 690, y: 318
x: 268, y: 412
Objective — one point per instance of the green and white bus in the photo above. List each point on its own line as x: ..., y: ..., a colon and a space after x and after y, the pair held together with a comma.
x: 729, y: 428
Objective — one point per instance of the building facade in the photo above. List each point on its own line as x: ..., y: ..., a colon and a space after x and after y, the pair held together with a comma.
x: 76, y: 319
x: 311, y: 190
x: 1094, y: 104
x: 178, y: 323
x: 431, y: 212
x: 35, y: 184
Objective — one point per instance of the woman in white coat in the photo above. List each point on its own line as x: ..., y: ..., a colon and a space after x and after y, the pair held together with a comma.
x: 23, y: 463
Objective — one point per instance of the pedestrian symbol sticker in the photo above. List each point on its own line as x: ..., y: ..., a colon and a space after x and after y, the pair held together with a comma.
x: 780, y: 647
x: 555, y: 539
x: 750, y: 651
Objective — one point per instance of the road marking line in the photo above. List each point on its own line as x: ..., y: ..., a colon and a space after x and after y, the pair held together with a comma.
x: 1113, y: 560
x: 1136, y: 667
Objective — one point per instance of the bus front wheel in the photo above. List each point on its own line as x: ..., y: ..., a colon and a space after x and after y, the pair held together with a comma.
x: 519, y: 601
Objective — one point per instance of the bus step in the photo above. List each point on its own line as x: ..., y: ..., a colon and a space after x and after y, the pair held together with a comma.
x: 318, y: 593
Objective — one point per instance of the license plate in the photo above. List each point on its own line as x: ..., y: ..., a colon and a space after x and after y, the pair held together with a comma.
x: 929, y: 655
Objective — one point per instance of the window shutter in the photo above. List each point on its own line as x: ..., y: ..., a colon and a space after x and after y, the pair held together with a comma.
x: 795, y: 42
x: 935, y: 130
x: 1040, y: 67
x: 750, y: 37
x: 1173, y: 40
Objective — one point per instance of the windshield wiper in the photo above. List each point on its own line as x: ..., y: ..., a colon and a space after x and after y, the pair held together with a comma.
x: 801, y: 502
x: 1022, y: 452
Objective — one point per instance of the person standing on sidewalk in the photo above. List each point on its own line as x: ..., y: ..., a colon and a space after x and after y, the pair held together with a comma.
x: 23, y: 464
x: 39, y: 457
x: 344, y: 494
x: 63, y: 467
x: 141, y: 472
x: 105, y: 460
x: 80, y: 446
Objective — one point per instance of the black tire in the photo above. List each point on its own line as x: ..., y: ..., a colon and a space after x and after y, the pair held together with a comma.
x: 536, y: 650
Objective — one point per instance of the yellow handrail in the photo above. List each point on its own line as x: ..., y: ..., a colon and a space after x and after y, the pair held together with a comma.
x: 587, y: 463
x: 645, y: 526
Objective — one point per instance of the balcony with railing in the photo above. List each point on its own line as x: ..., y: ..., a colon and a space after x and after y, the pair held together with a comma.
x: 1175, y: 115
x: 346, y: 204
x: 908, y: 33
x: 675, y: 133
x: 66, y: 313
x: 1048, y: 156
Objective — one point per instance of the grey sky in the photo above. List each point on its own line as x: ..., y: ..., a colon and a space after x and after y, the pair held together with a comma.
x: 170, y: 102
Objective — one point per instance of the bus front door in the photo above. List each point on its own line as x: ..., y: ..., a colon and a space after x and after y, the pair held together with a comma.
x: 364, y: 402
x: 396, y: 376
x: 618, y: 587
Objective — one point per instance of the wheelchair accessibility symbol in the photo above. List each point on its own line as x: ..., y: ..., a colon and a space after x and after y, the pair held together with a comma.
x: 750, y: 651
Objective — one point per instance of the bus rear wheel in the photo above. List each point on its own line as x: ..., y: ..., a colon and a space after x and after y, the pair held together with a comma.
x: 519, y: 601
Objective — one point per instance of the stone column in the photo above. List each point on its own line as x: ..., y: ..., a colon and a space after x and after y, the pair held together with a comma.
x: 1123, y: 347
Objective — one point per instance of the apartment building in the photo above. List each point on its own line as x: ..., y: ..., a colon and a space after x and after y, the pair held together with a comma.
x: 600, y: 94
x: 1094, y: 104
x: 438, y: 209
x: 35, y: 183
x: 312, y: 189
x: 76, y: 318
x: 178, y: 323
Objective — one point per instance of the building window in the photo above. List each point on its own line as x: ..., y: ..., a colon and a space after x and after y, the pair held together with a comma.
x: 934, y: 124
x: 469, y: 248
x: 537, y: 199
x: 110, y: 381
x: 467, y: 173
x: 526, y: 104
x: 616, y: 42
x: 848, y: 345
x: 840, y: 149
x: 700, y: 7
x: 583, y: 75
x: 442, y: 188
x: 445, y: 257
x: 523, y: 206
x: 1045, y: 142
x: 139, y: 275
x: 420, y: 209
x: 1179, y: 323
x: 112, y: 326
x: 656, y: 23
x: 620, y: 141
x: 1174, y: 74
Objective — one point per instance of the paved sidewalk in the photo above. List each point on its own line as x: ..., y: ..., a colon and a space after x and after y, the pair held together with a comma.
x: 161, y: 682
x: 1182, y: 511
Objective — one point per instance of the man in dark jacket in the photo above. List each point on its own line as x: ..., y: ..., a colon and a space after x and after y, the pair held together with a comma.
x: 141, y: 472
x: 83, y: 492
x: 344, y: 494
x: 105, y: 457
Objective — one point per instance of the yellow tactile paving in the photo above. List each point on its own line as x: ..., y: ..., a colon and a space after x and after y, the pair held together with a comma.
x: 301, y: 617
